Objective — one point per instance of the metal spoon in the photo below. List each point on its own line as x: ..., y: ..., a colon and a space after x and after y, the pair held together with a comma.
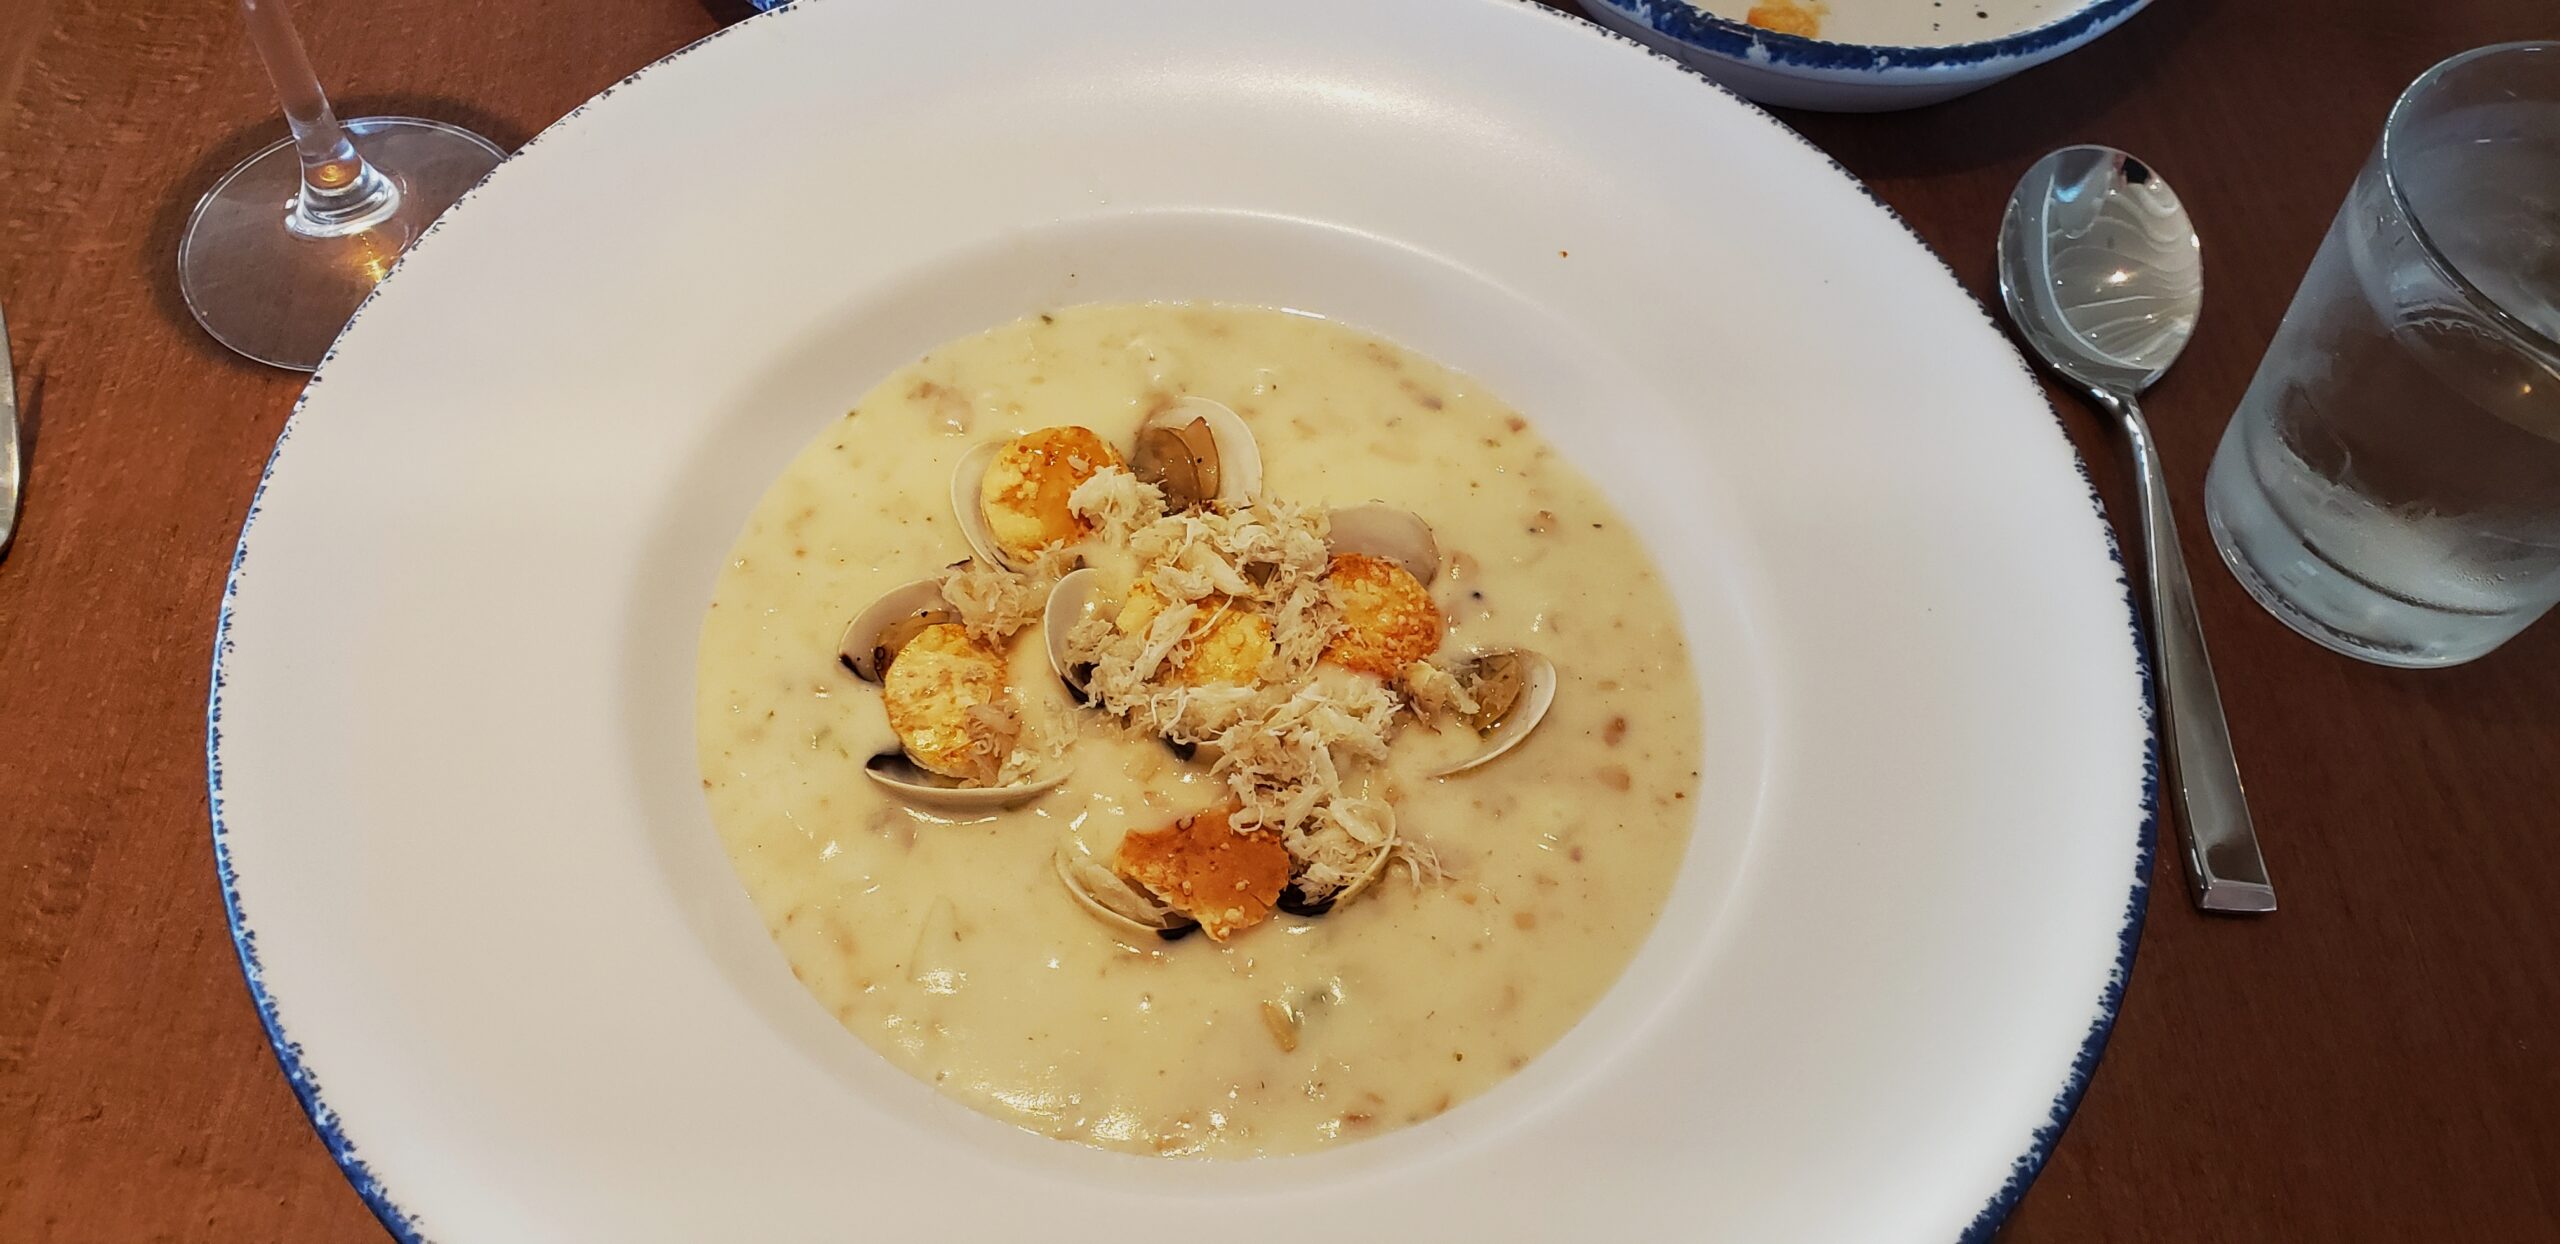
x: 13, y: 447
x: 2103, y: 276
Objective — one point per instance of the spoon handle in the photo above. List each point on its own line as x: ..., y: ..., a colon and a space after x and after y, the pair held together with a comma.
x: 13, y: 450
x: 2224, y: 869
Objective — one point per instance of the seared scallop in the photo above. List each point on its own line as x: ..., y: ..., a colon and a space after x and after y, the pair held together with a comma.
x: 1202, y: 867
x: 1389, y: 620
x: 1023, y: 495
x: 1230, y: 647
x: 934, y: 688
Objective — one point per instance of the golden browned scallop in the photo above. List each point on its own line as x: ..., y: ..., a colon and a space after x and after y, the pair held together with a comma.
x: 1139, y: 608
x: 1388, y: 618
x: 1202, y: 867
x: 1229, y: 646
x: 929, y: 689
x: 1024, y: 492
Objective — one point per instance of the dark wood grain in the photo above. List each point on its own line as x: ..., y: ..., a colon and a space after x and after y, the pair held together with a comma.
x: 2380, y: 1061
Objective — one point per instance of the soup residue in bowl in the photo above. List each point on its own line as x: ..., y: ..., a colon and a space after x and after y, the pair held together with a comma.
x: 1895, y: 23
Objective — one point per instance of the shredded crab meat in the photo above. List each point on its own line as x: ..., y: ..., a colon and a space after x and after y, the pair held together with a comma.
x: 1345, y: 841
x: 1170, y: 630
x: 1295, y: 748
x: 1197, y: 571
x: 1116, y: 504
x: 1039, y: 737
x: 1284, y: 761
x: 1301, y: 628
x: 994, y: 602
x: 993, y: 729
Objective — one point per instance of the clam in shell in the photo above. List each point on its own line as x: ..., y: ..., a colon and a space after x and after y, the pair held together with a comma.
x: 1075, y: 597
x: 1513, y: 688
x: 1198, y: 452
x: 966, y: 482
x: 1295, y: 903
x: 877, y: 633
x: 913, y: 784
x: 870, y: 644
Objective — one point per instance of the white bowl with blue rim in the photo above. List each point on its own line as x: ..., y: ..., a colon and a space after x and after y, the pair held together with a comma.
x: 1868, y: 55
x: 492, y: 932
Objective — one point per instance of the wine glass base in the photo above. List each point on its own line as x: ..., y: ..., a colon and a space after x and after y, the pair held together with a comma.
x: 280, y: 297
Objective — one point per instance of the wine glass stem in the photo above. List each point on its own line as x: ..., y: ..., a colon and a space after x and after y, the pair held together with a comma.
x: 341, y: 192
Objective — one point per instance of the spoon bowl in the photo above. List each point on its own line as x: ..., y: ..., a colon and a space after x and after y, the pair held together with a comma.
x: 2100, y: 268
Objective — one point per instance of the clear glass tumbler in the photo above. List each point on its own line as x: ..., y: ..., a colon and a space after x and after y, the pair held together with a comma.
x: 2390, y: 485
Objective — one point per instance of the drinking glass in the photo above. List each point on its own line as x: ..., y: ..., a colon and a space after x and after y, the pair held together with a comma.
x: 2390, y: 485
x: 283, y: 248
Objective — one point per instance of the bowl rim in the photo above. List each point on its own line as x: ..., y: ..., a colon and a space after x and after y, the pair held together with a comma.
x: 1683, y: 21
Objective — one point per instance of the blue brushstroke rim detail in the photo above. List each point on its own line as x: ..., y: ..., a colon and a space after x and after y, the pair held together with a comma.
x: 405, y: 1227
x: 288, y: 1052
x: 1695, y: 27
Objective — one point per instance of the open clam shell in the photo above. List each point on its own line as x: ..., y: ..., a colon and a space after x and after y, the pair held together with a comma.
x: 870, y: 643
x: 1295, y: 903
x: 1109, y: 897
x: 877, y: 633
x: 912, y: 783
x: 1382, y: 814
x: 969, y: 510
x: 1380, y: 530
x: 1514, y: 687
x: 1369, y: 874
x: 1075, y: 597
x: 1198, y: 451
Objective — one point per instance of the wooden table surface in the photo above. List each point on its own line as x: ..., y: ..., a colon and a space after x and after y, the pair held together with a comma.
x: 2379, y: 1061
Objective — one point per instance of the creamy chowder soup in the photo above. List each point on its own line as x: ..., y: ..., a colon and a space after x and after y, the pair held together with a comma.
x: 946, y: 937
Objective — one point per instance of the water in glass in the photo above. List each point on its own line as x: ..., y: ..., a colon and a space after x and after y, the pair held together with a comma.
x: 2390, y: 485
